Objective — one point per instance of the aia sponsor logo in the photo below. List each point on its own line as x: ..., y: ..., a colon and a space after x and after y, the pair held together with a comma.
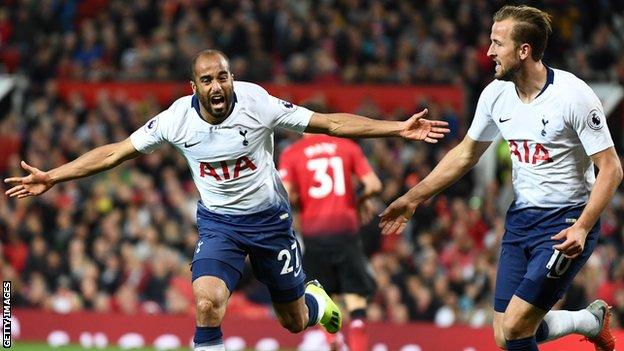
x: 531, y: 153
x: 226, y: 170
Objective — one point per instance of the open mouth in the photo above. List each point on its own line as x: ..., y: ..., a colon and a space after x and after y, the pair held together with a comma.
x: 217, y: 101
x: 498, y: 66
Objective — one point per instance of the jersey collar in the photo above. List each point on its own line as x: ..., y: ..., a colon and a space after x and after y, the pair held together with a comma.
x: 550, y: 79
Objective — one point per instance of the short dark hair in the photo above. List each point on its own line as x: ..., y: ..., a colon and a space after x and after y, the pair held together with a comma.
x: 533, y: 26
x: 205, y: 52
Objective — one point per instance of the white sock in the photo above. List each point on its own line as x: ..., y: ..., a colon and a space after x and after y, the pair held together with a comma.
x: 562, y: 323
x: 218, y: 347
x: 320, y: 300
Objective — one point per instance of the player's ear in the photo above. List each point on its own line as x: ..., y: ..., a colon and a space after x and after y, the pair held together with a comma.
x: 524, y: 50
x: 193, y: 86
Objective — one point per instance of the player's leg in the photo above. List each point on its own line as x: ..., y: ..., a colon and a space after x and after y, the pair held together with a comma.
x: 560, y: 323
x: 511, y: 269
x: 213, y: 281
x: 217, y: 267
x: 549, y: 275
x: 320, y: 262
x: 356, y: 282
x: 276, y: 261
x: 211, y: 296
x: 497, y: 325
x: 312, y: 307
x: 358, y: 337
x: 520, y: 322
x: 294, y: 315
x: 592, y: 321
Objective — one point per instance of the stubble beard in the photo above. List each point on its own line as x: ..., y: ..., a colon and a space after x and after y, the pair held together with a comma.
x: 205, y: 101
x: 509, y: 73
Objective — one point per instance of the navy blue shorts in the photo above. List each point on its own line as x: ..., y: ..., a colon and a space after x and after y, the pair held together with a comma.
x: 529, y: 267
x: 266, y: 236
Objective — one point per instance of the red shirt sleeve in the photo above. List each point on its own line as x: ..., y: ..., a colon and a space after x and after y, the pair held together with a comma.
x: 361, y: 167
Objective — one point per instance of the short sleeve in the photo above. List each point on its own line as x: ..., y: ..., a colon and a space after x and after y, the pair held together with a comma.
x: 483, y: 127
x: 277, y: 113
x: 589, y: 122
x: 147, y: 138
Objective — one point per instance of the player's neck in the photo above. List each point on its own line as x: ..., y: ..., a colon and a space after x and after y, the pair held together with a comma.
x: 530, y: 81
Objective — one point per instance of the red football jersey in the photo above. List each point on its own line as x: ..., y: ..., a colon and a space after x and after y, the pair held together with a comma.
x: 321, y: 170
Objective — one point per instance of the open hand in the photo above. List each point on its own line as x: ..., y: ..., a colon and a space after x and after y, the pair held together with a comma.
x: 419, y: 128
x: 36, y: 183
x: 395, y: 217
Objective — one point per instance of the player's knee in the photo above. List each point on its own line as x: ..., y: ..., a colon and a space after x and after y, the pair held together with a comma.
x: 205, y: 306
x: 208, y: 306
x: 513, y: 328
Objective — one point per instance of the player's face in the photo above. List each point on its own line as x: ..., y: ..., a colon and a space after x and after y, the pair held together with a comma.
x: 213, y: 85
x: 504, y: 51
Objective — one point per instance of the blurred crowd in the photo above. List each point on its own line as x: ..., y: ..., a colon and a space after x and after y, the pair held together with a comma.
x: 329, y: 41
x: 123, y: 240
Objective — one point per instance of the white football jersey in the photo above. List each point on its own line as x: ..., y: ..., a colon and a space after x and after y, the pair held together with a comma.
x: 232, y: 162
x: 550, y: 138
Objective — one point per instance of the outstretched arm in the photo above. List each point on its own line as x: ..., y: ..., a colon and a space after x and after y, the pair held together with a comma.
x: 95, y: 161
x: 453, y: 166
x: 354, y: 126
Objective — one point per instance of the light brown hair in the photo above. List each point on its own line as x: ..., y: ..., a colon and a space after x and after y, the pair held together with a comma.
x: 533, y: 26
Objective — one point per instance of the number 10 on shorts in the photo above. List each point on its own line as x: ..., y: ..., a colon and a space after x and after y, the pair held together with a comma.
x: 286, y: 256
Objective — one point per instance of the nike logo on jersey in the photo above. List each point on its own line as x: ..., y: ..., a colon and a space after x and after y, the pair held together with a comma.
x: 187, y: 145
x: 503, y: 120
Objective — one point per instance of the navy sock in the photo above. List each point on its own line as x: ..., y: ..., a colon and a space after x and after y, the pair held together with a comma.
x: 542, y: 332
x: 206, y: 336
x: 526, y: 344
x: 313, y: 309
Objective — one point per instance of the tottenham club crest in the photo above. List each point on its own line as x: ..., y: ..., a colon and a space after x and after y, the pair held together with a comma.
x: 544, y: 122
x: 243, y: 133
x: 595, y: 120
